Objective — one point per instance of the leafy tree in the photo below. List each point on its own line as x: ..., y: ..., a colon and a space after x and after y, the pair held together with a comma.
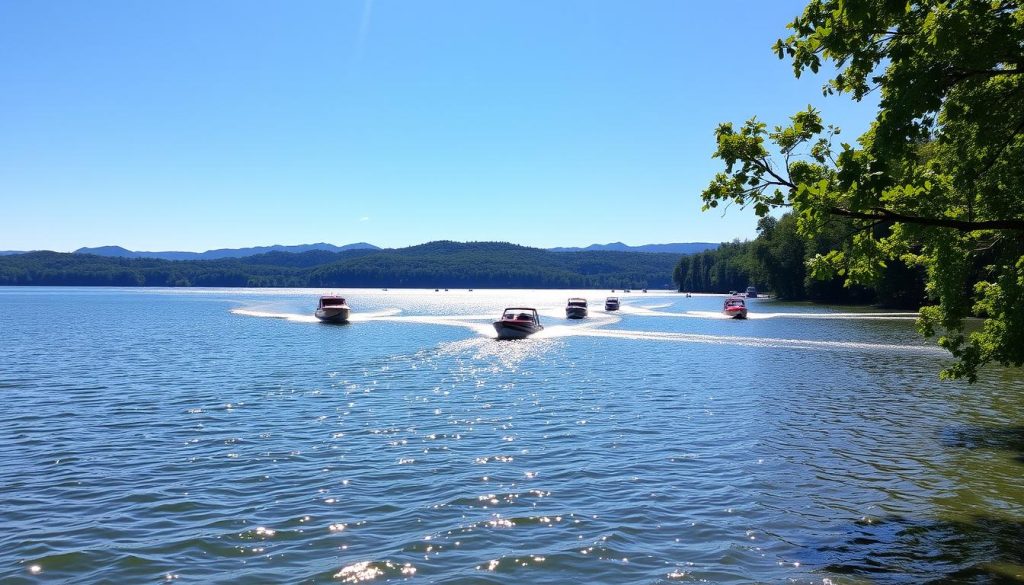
x: 938, y: 179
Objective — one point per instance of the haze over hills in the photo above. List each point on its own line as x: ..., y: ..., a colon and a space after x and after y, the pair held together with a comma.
x: 120, y: 252
x: 677, y: 248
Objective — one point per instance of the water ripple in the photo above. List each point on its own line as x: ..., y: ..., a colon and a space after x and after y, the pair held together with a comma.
x: 163, y: 437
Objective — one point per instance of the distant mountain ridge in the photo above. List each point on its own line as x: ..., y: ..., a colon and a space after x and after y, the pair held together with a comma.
x: 119, y: 252
x: 677, y: 248
x: 430, y: 265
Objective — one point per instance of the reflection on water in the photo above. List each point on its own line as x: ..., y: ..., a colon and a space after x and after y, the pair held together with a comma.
x: 225, y: 435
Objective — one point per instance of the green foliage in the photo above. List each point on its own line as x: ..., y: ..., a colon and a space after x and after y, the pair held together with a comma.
x: 433, y: 265
x: 731, y: 266
x: 777, y: 261
x: 937, y: 183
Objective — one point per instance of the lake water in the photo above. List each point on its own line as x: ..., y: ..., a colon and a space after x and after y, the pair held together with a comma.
x: 225, y: 436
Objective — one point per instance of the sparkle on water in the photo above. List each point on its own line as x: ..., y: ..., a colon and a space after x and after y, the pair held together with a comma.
x: 225, y: 435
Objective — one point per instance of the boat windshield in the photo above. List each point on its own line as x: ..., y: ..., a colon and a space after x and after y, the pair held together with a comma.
x: 517, y: 314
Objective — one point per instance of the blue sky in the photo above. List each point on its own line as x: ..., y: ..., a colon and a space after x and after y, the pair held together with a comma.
x: 192, y: 125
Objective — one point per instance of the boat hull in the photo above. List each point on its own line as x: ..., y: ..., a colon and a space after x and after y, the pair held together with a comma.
x: 515, y: 330
x: 575, y: 312
x: 333, y: 314
x: 736, y: 313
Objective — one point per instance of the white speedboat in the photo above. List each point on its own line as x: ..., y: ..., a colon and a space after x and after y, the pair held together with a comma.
x: 611, y: 304
x: 518, y: 323
x: 576, y: 309
x: 332, y: 309
x: 735, y: 307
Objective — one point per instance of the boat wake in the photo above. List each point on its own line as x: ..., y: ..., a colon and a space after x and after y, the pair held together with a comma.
x: 298, y: 318
x: 466, y: 321
x: 651, y: 312
x: 595, y: 324
x: 304, y: 318
x: 486, y: 329
x: 767, y: 342
x: 842, y: 316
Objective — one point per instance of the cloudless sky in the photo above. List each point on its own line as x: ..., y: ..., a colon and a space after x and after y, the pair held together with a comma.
x: 198, y: 124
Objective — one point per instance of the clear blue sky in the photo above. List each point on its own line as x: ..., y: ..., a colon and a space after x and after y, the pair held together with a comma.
x: 191, y: 124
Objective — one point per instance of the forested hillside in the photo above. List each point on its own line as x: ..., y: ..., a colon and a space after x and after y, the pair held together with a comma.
x: 777, y: 261
x: 432, y: 265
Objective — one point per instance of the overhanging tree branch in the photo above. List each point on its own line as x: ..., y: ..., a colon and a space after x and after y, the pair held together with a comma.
x: 956, y: 224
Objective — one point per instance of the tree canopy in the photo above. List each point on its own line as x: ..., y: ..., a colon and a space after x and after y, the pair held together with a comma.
x: 431, y: 265
x: 938, y: 179
x: 776, y: 260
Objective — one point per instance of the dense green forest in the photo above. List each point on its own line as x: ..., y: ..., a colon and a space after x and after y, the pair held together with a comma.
x: 431, y: 265
x: 936, y: 181
x: 777, y: 261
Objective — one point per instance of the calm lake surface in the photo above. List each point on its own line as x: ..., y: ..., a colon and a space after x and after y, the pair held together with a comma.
x: 225, y: 436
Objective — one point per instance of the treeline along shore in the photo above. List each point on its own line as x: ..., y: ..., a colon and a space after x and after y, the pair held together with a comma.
x: 431, y: 265
x: 776, y: 260
x: 779, y: 260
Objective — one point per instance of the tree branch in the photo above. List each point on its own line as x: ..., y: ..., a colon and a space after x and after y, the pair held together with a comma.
x: 768, y: 169
x: 956, y: 224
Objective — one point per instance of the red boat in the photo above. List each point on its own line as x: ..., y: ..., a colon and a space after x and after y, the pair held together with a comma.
x: 735, y: 307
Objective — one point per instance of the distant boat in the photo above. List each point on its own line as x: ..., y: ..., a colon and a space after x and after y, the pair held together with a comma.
x: 751, y: 292
x: 735, y: 307
x: 576, y: 309
x: 611, y: 304
x: 518, y: 323
x: 332, y: 309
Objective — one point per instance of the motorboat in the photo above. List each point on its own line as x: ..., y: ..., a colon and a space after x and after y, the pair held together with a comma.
x: 332, y: 309
x: 518, y: 323
x: 735, y: 307
x: 611, y: 304
x: 576, y: 308
x: 751, y: 292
